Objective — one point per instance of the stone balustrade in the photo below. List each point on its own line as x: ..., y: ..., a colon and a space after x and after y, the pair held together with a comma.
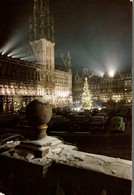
x: 46, y: 165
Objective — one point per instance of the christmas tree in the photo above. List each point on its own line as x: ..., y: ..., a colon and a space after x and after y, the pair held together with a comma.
x: 86, y: 97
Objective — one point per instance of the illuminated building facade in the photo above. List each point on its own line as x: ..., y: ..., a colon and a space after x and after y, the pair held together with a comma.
x: 57, y: 83
x: 104, y: 89
x: 18, y: 83
x: 22, y: 81
x: 78, y: 84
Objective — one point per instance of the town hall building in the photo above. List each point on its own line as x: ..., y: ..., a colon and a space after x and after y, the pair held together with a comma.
x: 21, y: 82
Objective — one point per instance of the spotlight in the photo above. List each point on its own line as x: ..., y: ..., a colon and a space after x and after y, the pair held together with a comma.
x: 17, y: 51
x: 18, y: 56
x: 28, y: 58
x: 6, y: 49
x: 14, y: 41
x: 111, y: 73
x: 9, y: 55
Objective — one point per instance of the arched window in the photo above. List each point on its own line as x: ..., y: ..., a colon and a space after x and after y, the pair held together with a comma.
x: 47, y: 64
x: 50, y: 64
x: 47, y: 78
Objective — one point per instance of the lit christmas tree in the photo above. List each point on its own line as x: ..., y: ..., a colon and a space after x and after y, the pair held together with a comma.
x: 86, y: 97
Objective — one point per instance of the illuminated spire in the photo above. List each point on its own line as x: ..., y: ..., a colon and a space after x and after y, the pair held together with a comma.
x: 41, y: 23
x: 68, y: 61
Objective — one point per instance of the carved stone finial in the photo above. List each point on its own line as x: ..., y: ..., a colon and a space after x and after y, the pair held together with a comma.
x: 38, y: 113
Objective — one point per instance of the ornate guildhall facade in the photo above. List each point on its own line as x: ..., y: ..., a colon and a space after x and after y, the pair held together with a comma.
x: 104, y: 89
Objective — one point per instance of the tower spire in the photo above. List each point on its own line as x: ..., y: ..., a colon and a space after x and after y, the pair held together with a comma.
x: 41, y: 27
x: 68, y: 61
x: 41, y: 23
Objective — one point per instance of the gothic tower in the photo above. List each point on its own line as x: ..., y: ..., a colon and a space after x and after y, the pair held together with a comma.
x: 55, y: 85
x: 41, y: 26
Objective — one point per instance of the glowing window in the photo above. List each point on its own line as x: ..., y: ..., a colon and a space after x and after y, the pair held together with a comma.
x: 46, y: 77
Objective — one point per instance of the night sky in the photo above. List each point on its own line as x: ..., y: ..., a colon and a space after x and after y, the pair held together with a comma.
x: 98, y: 33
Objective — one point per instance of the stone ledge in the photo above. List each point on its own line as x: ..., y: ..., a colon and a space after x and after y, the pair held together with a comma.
x: 67, y: 155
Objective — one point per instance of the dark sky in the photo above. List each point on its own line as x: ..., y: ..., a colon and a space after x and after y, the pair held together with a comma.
x: 98, y: 33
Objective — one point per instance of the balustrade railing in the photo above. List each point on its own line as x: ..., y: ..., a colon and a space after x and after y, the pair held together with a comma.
x: 46, y: 165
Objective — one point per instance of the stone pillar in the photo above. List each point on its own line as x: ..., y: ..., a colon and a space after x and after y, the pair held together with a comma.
x: 25, y: 171
x: 38, y: 113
